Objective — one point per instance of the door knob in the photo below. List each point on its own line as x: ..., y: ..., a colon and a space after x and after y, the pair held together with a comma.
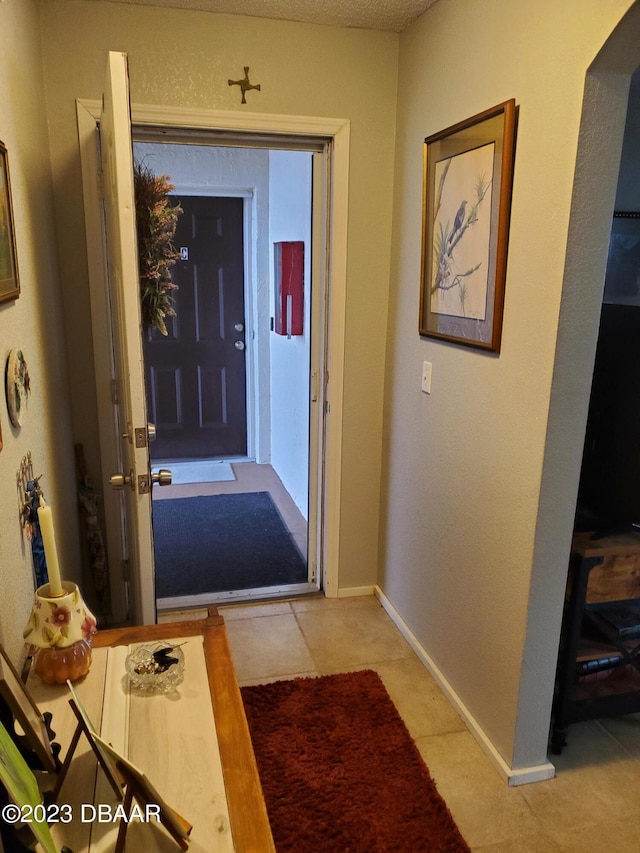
x: 162, y: 477
x: 239, y: 345
x: 120, y: 480
x: 152, y: 433
x: 239, y: 327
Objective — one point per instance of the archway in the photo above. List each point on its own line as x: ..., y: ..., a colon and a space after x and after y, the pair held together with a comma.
x: 598, y: 157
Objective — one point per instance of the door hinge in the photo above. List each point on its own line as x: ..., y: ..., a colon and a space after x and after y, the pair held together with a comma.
x: 100, y: 184
x: 125, y: 570
x: 115, y: 397
x: 315, y: 380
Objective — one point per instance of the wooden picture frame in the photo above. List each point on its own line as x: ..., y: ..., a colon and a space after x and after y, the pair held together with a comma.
x: 26, y: 713
x: 9, y: 282
x: 85, y: 726
x: 467, y: 184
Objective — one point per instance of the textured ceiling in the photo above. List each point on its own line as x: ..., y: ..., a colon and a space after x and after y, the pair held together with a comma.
x: 390, y: 15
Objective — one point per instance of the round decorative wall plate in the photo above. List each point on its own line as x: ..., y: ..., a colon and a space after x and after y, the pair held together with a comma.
x: 17, y: 387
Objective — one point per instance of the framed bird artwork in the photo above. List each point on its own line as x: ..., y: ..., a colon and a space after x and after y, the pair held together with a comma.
x: 468, y: 177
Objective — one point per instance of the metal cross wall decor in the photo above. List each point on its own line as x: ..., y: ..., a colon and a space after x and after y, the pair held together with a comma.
x: 244, y: 84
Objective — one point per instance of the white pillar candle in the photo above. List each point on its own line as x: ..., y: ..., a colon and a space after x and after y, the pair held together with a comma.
x: 49, y: 541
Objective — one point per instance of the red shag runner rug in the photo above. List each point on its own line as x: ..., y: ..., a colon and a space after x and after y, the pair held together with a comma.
x: 340, y: 772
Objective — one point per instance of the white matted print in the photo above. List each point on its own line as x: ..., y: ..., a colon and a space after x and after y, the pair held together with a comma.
x: 461, y: 234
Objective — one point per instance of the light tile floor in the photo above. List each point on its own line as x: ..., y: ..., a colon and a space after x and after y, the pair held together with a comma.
x: 592, y: 806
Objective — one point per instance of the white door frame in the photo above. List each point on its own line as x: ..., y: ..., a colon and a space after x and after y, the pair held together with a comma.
x: 338, y: 132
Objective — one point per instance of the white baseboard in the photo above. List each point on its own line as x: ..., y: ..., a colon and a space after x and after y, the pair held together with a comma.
x: 518, y: 776
x: 352, y: 591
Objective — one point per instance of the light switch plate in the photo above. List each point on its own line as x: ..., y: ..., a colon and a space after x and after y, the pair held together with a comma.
x: 427, y: 368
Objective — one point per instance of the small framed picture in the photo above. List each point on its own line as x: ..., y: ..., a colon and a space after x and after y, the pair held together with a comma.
x: 9, y: 283
x: 468, y: 175
x: 140, y: 788
x: 103, y: 756
x: 25, y: 713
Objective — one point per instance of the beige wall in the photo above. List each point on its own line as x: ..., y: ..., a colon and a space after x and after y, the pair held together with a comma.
x: 478, y: 478
x: 33, y: 324
x: 185, y: 59
x: 475, y: 572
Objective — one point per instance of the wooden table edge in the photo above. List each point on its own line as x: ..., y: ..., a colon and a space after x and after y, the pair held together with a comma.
x: 247, y: 809
x: 250, y: 827
x: 148, y: 633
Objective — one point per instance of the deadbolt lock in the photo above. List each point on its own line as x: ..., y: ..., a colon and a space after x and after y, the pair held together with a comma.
x: 145, y: 435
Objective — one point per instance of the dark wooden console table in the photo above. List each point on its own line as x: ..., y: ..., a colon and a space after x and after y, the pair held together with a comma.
x: 598, y: 671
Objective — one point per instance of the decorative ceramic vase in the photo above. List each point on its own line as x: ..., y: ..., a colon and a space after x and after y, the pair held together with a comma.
x: 61, y: 627
x: 55, y: 666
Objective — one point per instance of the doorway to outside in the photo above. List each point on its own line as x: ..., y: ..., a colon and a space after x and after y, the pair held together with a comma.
x: 229, y: 396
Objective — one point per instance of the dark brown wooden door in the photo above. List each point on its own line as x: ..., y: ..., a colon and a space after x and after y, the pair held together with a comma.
x: 196, y: 378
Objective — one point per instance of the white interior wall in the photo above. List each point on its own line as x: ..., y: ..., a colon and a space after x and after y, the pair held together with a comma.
x: 478, y: 488
x: 290, y: 219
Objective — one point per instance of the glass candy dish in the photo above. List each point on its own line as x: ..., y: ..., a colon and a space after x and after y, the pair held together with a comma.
x: 155, y: 667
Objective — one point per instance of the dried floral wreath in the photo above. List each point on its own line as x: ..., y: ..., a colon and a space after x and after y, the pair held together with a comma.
x: 156, y: 222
